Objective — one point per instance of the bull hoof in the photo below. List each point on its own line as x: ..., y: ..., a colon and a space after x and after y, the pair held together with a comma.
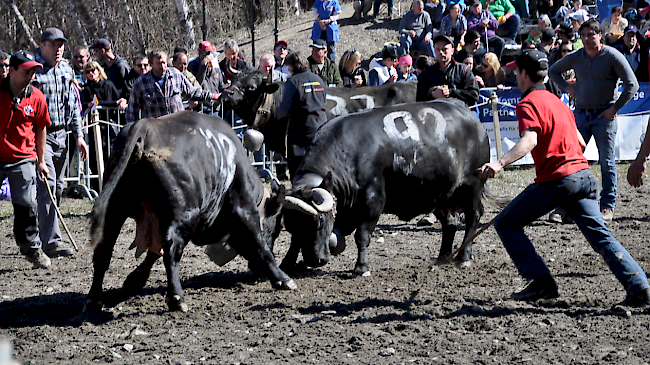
x: 362, y: 271
x: 92, y: 305
x: 286, y: 285
x: 175, y: 303
x: 442, y: 260
x: 463, y: 265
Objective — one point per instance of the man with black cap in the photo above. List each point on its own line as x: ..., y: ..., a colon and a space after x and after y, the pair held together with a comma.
x: 567, y: 35
x: 23, y: 121
x: 322, y: 66
x: 115, y: 66
x: 447, y: 78
x: 549, y: 133
x: 630, y: 47
x: 547, y: 41
x: 55, y: 80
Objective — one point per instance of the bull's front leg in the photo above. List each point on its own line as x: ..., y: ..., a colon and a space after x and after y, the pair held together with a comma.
x: 101, y: 260
x: 362, y: 239
x: 136, y: 280
x: 290, y: 259
x: 448, y: 234
x: 173, y: 245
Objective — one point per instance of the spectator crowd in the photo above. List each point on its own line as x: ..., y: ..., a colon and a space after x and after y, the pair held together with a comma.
x: 451, y: 48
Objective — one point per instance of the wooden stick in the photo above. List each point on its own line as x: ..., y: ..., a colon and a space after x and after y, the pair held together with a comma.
x: 58, y: 212
x: 471, y: 238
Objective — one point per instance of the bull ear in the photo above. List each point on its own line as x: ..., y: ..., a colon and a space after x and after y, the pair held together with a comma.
x: 271, y: 88
x: 327, y: 183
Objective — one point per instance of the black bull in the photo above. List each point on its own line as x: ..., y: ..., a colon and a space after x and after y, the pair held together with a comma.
x: 256, y: 101
x: 182, y: 177
x: 405, y: 160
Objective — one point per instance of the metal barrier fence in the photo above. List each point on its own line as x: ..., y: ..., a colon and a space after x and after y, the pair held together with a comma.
x: 102, y: 124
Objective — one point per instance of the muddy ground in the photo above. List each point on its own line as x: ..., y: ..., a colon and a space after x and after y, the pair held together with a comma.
x: 403, y: 313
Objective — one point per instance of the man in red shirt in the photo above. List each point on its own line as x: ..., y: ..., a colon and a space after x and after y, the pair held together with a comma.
x: 23, y: 120
x: 548, y: 131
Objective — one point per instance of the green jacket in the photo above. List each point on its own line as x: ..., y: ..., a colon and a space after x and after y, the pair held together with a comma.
x: 499, y: 7
x: 329, y: 73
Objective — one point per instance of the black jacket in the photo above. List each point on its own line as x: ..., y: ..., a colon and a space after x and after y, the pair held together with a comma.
x: 105, y: 90
x: 459, y: 77
x: 304, y: 105
x: 117, y: 74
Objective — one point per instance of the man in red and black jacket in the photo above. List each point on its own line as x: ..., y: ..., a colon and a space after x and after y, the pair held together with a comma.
x: 447, y: 78
x: 24, y: 118
x: 548, y: 131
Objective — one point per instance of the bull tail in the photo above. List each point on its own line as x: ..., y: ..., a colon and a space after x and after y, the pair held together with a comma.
x: 495, y: 200
x: 132, y: 147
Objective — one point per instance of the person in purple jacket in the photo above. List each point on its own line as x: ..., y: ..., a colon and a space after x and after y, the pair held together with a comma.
x: 482, y: 21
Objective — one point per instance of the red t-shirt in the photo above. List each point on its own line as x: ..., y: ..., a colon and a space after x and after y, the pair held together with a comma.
x: 558, y: 152
x: 17, y: 124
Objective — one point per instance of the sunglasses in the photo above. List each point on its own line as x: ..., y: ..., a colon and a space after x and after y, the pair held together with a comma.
x: 78, y: 57
x: 565, y: 51
x: 142, y: 65
x: 281, y: 47
x: 4, y: 65
x: 90, y: 70
x: 485, y: 65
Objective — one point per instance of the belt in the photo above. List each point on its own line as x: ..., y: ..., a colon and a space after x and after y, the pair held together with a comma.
x: 593, y: 110
x: 55, y: 128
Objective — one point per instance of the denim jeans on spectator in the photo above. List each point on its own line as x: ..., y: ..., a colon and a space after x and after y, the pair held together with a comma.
x: 576, y: 194
x: 512, y: 25
x: 604, y: 132
x: 375, y: 12
x: 406, y: 43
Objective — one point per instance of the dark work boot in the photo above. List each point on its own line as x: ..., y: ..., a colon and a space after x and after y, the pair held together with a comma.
x: 543, y: 287
x: 638, y: 299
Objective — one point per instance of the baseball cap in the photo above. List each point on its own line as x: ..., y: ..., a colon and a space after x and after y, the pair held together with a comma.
x: 24, y: 59
x: 442, y: 37
x: 318, y: 43
x: 281, y: 44
x: 630, y: 29
x: 52, y: 34
x: 578, y: 16
x: 565, y: 28
x: 547, y: 34
x: 206, y: 46
x: 530, y: 60
x: 101, y: 43
x: 471, y: 3
x: 406, y: 60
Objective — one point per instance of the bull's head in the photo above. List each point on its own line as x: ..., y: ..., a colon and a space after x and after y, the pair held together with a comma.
x: 309, y: 217
x: 248, y: 92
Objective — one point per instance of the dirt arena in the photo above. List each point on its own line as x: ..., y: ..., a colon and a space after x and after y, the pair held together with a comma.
x: 403, y: 313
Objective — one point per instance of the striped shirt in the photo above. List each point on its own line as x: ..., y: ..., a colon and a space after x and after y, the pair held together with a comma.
x: 151, y: 101
x: 56, y: 83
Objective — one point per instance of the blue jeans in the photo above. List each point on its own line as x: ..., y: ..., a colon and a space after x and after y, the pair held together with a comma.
x: 576, y: 194
x: 604, y: 132
x: 512, y: 25
x: 406, y: 43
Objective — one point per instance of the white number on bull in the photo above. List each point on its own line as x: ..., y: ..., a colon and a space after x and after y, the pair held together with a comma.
x: 221, y: 145
x: 411, y: 130
x: 340, y: 106
x: 441, y: 122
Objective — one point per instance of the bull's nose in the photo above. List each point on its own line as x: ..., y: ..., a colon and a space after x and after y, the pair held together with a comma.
x: 317, y: 263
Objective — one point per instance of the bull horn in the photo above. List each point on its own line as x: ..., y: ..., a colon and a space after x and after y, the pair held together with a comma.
x: 230, y: 69
x: 323, y: 200
x: 291, y: 202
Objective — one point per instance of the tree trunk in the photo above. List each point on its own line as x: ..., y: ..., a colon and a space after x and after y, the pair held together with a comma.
x: 23, y: 23
x: 77, y: 26
x: 186, y: 23
x: 136, y: 38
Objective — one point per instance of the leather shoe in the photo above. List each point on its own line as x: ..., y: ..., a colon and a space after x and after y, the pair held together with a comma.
x: 58, y: 251
x: 638, y: 299
x: 543, y: 287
